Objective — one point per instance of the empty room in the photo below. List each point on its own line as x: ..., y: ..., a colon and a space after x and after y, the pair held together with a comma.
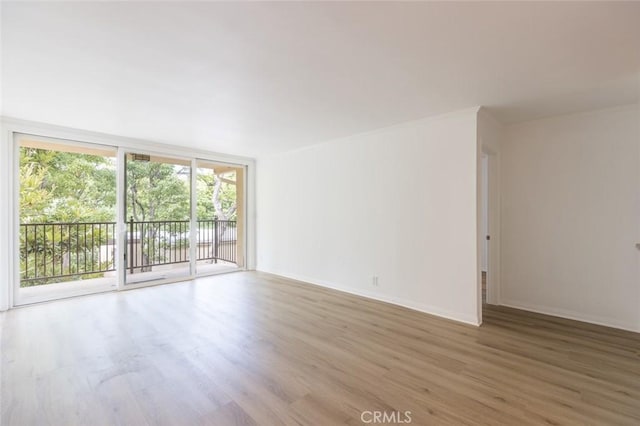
x: 319, y: 213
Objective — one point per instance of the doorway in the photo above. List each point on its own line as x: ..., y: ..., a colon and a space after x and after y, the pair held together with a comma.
x: 486, y: 237
x: 489, y: 229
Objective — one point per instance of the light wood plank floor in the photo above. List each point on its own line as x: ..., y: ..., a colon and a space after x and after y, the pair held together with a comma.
x: 251, y: 348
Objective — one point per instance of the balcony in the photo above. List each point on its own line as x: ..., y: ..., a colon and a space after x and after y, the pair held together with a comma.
x: 73, y: 255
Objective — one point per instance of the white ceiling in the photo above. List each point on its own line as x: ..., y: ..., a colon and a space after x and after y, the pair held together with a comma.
x: 255, y: 78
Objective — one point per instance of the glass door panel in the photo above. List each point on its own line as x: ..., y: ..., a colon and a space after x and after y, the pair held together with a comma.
x: 157, y: 218
x: 220, y: 217
x: 67, y: 219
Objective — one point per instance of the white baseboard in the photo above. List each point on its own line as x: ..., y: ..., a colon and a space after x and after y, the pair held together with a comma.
x: 568, y: 314
x: 427, y: 309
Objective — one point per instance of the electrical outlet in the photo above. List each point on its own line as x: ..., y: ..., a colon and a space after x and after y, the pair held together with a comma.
x: 374, y: 281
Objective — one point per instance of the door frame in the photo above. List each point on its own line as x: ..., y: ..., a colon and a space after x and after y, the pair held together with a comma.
x: 492, y: 198
x: 17, y: 138
x: 121, y: 219
x: 10, y: 186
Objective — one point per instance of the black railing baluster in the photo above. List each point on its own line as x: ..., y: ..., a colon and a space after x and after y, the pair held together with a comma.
x: 157, y: 243
x: 84, y: 247
x: 26, y: 251
x: 62, y: 253
x: 142, y: 245
x: 130, y: 255
x: 53, y: 249
x: 44, y: 252
x: 77, y: 247
x: 37, y: 250
x: 99, y: 249
x: 215, y: 241
x: 56, y: 252
x: 139, y: 249
x: 92, y: 248
x: 152, y: 241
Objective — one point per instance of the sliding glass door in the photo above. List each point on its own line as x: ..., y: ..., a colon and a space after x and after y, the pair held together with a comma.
x: 220, y: 217
x: 66, y: 219
x: 94, y: 218
x: 157, y: 218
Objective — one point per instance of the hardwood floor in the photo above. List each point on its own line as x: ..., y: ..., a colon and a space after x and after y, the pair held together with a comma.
x: 251, y: 348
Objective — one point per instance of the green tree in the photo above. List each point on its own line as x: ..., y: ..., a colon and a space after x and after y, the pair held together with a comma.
x: 216, y: 195
x: 74, y: 189
x: 157, y: 191
x: 59, y: 187
x: 66, y: 187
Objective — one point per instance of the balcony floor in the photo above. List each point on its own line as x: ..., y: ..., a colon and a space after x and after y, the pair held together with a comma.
x: 43, y: 293
x: 168, y: 272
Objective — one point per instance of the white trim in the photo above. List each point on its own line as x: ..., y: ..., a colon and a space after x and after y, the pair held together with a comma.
x: 193, y: 225
x: 250, y: 252
x: 480, y: 195
x: 14, y: 222
x: 8, y: 255
x: 121, y: 217
x: 5, y: 215
x: 571, y: 315
x: 427, y: 309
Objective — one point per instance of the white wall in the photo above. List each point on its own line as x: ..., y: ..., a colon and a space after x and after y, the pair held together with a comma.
x: 571, y: 216
x: 398, y: 203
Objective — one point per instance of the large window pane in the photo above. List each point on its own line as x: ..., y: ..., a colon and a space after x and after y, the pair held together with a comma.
x: 67, y: 225
x: 158, y: 211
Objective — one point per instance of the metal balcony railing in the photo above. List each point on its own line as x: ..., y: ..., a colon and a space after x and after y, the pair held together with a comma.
x: 55, y: 252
